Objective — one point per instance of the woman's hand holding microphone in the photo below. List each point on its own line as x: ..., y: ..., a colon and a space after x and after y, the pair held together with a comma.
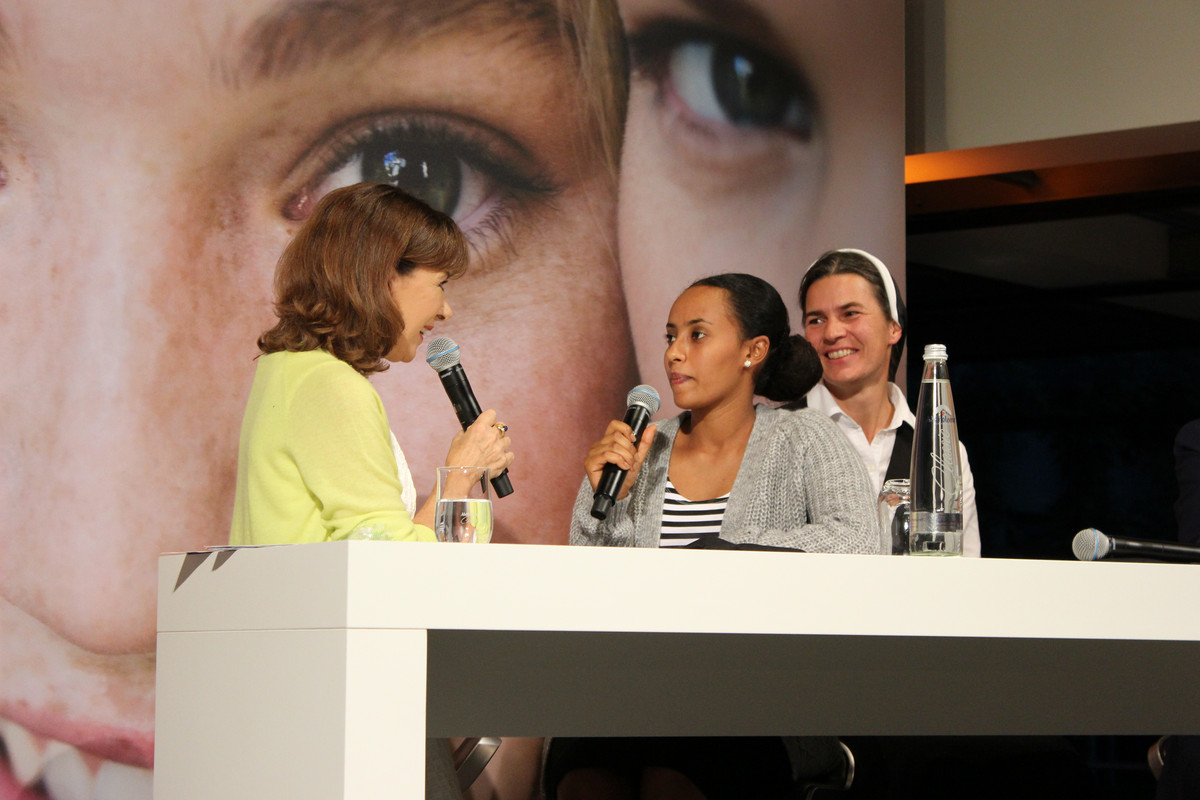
x: 617, y: 447
x: 484, y: 443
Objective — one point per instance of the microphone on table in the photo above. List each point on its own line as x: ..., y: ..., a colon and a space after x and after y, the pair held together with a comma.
x: 1092, y: 545
x: 643, y: 403
x: 443, y: 355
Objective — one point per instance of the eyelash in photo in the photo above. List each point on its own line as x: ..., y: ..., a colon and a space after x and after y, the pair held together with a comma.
x: 470, y: 171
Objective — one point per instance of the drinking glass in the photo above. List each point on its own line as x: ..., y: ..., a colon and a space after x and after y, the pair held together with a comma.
x: 464, y: 505
x: 895, y: 506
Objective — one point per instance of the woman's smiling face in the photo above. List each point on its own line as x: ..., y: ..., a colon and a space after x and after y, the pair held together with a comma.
x: 420, y: 295
x: 155, y: 158
x: 850, y: 331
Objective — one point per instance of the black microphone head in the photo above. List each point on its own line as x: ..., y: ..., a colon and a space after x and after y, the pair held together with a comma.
x: 644, y: 396
x: 442, y: 353
x: 1091, y: 545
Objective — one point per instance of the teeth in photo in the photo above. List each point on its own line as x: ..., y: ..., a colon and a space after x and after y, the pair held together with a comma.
x: 66, y: 777
x: 122, y: 782
x: 24, y: 756
x: 64, y: 771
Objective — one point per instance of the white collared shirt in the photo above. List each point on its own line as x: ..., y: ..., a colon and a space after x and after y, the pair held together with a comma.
x: 408, y: 490
x: 877, y: 454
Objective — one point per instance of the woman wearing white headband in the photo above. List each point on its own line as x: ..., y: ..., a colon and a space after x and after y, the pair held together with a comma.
x: 856, y: 320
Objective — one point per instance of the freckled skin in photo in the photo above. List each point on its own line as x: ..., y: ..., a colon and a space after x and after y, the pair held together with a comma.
x: 155, y: 158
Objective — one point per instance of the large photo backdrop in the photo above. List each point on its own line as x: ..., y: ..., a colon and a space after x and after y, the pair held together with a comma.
x: 156, y: 156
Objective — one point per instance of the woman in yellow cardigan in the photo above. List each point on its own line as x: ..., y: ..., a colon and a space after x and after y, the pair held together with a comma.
x: 359, y: 286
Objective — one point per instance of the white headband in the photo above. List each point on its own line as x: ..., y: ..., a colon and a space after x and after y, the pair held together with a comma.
x: 889, y: 285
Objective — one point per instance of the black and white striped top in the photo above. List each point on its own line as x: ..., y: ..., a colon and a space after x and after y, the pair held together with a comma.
x: 685, y: 521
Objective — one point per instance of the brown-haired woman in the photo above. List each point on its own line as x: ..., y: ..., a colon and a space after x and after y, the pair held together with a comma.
x: 359, y: 286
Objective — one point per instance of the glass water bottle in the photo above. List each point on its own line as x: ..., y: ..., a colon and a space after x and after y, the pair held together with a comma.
x: 935, y: 471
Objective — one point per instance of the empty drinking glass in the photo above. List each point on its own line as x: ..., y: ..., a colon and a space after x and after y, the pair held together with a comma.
x: 895, y: 505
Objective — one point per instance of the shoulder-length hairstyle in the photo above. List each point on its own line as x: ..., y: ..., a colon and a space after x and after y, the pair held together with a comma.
x: 333, y: 281
x: 850, y: 262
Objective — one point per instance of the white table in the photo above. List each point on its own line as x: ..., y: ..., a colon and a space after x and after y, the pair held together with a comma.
x: 316, y: 671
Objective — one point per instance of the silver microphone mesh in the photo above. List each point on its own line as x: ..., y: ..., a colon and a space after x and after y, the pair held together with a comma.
x: 442, y: 353
x: 1090, y: 545
x: 644, y: 396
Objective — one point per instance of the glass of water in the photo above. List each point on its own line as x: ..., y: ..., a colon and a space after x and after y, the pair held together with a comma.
x: 464, y: 505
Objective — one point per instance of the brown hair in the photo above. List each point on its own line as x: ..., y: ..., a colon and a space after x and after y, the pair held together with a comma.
x: 595, y: 42
x: 333, y: 281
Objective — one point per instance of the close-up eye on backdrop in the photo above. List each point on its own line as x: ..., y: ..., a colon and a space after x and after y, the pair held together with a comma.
x: 760, y: 134
x: 475, y: 173
x: 156, y: 157
x: 722, y: 102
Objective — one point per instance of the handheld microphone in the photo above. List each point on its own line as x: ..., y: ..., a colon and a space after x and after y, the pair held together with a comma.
x: 1092, y: 545
x: 642, y: 402
x: 443, y: 355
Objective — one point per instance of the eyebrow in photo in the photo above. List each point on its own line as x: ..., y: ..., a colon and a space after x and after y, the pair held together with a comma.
x: 743, y: 20
x: 304, y: 34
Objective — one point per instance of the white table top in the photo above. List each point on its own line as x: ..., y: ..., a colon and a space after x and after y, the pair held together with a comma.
x: 540, y: 587
x: 608, y: 641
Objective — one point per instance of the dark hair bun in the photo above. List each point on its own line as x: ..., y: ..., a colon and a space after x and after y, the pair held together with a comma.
x: 791, y: 373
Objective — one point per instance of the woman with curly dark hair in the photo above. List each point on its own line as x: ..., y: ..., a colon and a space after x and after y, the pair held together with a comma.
x: 758, y: 475
x: 726, y: 473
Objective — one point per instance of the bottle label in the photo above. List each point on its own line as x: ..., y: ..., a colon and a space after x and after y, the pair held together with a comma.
x: 944, y: 456
x: 935, y: 473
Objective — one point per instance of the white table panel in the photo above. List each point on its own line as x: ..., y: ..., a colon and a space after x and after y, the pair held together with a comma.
x: 298, y: 669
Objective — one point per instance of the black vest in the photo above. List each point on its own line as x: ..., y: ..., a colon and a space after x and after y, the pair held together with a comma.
x: 901, y: 459
x: 899, y: 463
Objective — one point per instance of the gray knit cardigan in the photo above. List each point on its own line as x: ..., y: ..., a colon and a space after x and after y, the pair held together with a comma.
x: 800, y: 485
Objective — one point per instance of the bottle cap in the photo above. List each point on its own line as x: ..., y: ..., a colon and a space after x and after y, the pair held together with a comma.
x: 935, y: 351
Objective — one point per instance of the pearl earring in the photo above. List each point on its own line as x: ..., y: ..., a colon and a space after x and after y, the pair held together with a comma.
x: 747, y: 364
